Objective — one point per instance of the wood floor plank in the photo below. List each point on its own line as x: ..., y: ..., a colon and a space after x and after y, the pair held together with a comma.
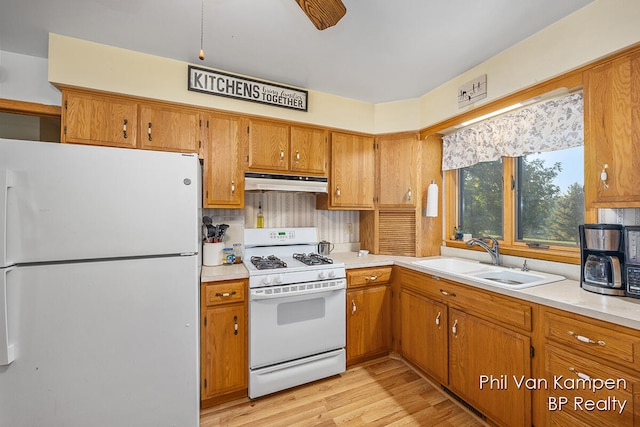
x: 384, y: 392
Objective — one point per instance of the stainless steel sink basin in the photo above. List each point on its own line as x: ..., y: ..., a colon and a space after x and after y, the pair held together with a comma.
x: 474, y: 271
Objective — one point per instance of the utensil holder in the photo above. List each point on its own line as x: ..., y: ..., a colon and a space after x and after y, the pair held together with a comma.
x: 212, y: 254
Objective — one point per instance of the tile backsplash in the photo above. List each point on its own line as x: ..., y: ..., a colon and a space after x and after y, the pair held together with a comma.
x: 619, y: 216
x: 282, y: 209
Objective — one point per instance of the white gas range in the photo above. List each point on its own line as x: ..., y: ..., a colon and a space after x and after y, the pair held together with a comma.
x: 297, y: 315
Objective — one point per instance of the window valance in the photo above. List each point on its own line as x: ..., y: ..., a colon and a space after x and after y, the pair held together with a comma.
x: 547, y: 126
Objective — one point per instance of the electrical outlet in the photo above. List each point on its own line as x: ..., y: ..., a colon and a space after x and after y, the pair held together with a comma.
x: 349, y: 227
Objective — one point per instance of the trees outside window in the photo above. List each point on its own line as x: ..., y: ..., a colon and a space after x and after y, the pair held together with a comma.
x: 545, y: 207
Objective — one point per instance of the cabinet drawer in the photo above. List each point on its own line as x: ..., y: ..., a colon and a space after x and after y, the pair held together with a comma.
x: 577, y: 381
x: 225, y: 292
x: 368, y: 276
x: 499, y: 309
x: 594, y: 337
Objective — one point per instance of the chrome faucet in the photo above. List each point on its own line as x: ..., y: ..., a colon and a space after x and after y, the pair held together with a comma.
x: 493, y: 250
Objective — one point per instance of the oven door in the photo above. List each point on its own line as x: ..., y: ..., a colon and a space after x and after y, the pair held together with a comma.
x: 295, y: 321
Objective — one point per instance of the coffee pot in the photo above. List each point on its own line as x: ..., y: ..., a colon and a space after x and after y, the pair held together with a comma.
x: 602, y: 259
x: 325, y: 248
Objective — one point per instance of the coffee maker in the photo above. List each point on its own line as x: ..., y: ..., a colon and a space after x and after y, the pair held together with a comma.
x: 602, y: 259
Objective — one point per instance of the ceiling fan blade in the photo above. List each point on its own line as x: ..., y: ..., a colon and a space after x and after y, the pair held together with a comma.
x: 323, y: 13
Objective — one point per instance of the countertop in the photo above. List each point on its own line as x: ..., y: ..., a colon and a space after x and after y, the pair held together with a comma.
x: 565, y: 295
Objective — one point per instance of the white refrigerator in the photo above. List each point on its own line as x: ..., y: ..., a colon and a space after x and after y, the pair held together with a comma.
x: 99, y: 286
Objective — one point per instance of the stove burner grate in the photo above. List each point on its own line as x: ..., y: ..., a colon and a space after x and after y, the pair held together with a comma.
x: 268, y: 262
x: 312, y: 259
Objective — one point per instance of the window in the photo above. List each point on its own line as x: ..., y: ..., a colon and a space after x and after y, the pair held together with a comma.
x: 531, y: 202
x: 481, y: 199
x: 519, y: 178
x: 550, y: 197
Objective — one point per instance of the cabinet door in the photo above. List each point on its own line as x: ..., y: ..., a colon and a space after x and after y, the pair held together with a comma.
x: 573, y: 368
x: 424, y: 334
x: 368, y: 322
x: 397, y: 171
x: 169, y: 129
x: 355, y: 325
x: 223, y: 172
x: 480, y: 350
x: 612, y: 133
x: 352, y: 171
x: 268, y: 146
x: 309, y: 150
x: 98, y: 120
x: 224, y: 365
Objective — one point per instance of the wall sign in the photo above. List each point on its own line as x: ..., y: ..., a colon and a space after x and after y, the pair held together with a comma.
x: 223, y: 84
x: 472, y: 91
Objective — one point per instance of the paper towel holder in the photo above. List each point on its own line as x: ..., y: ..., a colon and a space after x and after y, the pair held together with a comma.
x: 430, y: 208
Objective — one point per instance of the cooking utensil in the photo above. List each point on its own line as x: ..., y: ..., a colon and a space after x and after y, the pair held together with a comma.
x: 325, y: 248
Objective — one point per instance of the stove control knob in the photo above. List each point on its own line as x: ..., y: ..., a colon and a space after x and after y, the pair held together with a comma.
x: 266, y: 280
x: 332, y: 274
x: 279, y: 279
x: 322, y: 275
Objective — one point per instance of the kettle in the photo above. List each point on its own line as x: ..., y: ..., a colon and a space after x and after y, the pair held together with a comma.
x: 325, y: 248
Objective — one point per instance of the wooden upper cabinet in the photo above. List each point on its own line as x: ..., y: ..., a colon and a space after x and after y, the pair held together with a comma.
x: 169, y: 129
x: 612, y: 133
x: 283, y: 148
x: 99, y: 120
x: 309, y: 150
x: 223, y: 169
x: 397, y: 170
x: 351, y: 185
x: 268, y: 146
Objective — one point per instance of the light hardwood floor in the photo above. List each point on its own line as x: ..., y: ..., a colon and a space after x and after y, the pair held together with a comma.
x: 384, y: 392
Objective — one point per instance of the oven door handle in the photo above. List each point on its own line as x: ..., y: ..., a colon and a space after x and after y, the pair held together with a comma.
x: 261, y: 296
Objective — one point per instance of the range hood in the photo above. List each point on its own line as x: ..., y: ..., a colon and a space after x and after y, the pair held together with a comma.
x: 276, y: 182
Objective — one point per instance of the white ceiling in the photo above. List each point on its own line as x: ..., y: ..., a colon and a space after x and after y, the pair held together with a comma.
x: 382, y: 50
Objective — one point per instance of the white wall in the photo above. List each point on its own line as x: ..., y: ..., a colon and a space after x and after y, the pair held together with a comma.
x: 25, y: 78
x: 603, y: 27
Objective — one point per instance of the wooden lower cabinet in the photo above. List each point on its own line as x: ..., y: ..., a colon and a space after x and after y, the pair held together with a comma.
x: 485, y: 360
x: 456, y: 334
x: 581, y: 353
x: 425, y: 321
x: 223, y: 336
x: 368, y: 314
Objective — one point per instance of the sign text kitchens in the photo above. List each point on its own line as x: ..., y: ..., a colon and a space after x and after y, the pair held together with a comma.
x: 231, y: 86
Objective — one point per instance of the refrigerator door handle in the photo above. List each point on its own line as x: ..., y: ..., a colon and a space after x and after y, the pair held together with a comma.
x: 7, y: 354
x: 6, y: 182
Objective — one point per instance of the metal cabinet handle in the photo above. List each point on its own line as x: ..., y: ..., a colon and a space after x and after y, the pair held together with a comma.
x: 235, y: 325
x: 226, y: 294
x: 149, y: 131
x: 438, y: 318
x: 579, y: 374
x: 409, y: 194
x: 124, y: 128
x: 371, y: 278
x: 454, y: 328
x: 281, y: 155
x: 353, y: 307
x: 447, y: 294
x: 587, y: 340
x: 297, y: 156
x: 233, y: 187
x: 337, y: 192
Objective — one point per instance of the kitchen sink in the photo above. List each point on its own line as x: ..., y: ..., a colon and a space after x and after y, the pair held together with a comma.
x: 451, y: 265
x: 474, y: 271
